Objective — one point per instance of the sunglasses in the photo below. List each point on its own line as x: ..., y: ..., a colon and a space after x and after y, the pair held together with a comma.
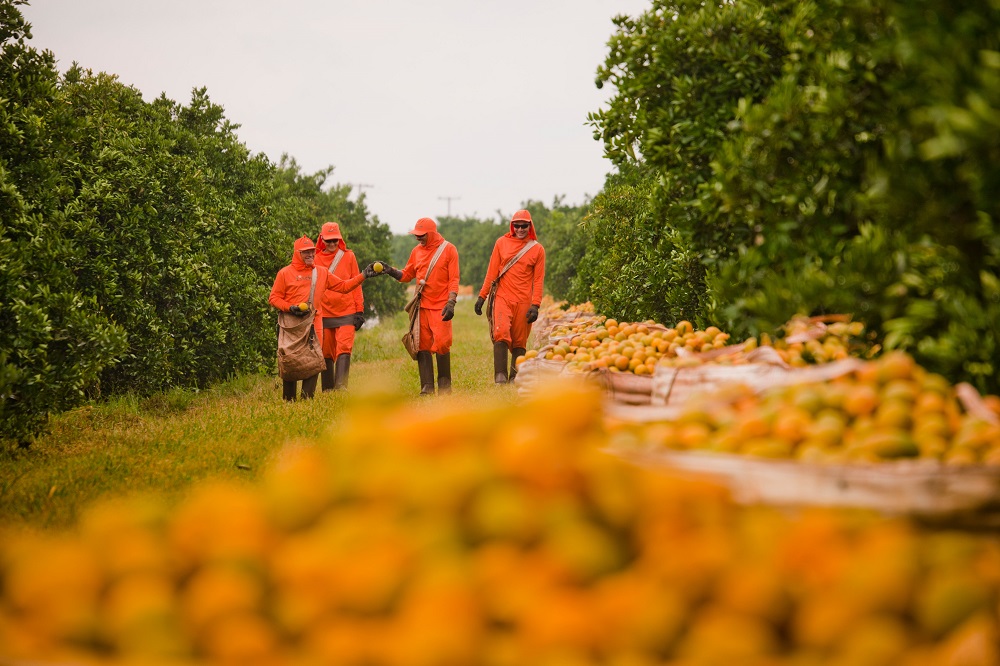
x: 521, y: 226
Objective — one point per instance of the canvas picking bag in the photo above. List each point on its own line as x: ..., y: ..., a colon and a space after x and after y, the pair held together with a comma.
x: 300, y: 353
x: 411, y: 339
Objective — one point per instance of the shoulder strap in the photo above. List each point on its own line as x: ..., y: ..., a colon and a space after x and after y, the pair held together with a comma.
x: 430, y: 266
x: 513, y: 260
x: 336, y: 261
x: 312, y: 288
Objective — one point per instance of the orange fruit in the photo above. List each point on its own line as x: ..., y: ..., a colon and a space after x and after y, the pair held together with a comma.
x: 861, y: 400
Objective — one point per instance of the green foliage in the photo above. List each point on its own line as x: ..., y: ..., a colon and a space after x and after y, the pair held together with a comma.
x: 139, y: 240
x: 679, y: 71
x: 634, y: 266
x: 55, y: 339
x: 844, y: 163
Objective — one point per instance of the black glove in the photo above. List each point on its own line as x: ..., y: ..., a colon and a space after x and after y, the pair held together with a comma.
x: 394, y: 273
x: 359, y: 320
x: 449, y: 307
x: 532, y: 314
x: 479, y: 305
x: 297, y: 311
x: 369, y: 271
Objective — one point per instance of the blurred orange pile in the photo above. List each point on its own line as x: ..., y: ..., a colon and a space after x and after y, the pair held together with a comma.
x: 448, y: 535
x: 885, y: 409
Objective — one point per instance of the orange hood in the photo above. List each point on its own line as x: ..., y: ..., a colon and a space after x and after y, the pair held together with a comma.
x: 426, y: 225
x: 304, y: 243
x: 522, y: 216
x: 328, y: 234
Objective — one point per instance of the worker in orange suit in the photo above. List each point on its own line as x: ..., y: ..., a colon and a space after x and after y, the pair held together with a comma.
x: 343, y: 313
x: 292, y: 287
x: 518, y: 265
x: 437, y: 302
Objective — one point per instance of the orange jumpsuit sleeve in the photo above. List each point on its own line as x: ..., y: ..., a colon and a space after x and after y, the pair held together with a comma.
x: 278, y: 292
x: 342, y: 286
x: 453, y: 276
x: 359, y: 297
x: 410, y: 269
x: 492, y: 270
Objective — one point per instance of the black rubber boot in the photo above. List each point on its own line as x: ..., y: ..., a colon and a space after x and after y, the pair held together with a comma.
x: 515, y: 353
x: 327, y: 376
x: 309, y: 387
x: 425, y: 366
x: 444, y: 373
x: 343, y: 372
x: 288, y: 390
x: 500, y: 362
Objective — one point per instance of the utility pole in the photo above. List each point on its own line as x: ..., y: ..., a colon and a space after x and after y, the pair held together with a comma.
x: 361, y: 187
x: 449, y: 200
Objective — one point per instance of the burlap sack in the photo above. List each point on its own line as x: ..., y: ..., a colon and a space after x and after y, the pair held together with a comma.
x: 300, y: 354
x: 411, y: 339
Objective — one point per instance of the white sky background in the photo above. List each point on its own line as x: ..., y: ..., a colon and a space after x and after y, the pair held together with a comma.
x: 481, y: 100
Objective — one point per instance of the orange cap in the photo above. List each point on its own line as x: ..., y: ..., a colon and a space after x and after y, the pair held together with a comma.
x: 330, y: 231
x: 304, y: 243
x: 521, y: 215
x: 424, y: 225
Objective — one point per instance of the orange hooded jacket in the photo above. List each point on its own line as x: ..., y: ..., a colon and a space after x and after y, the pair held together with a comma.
x: 444, y: 278
x: 293, y: 282
x: 523, y: 283
x: 336, y: 303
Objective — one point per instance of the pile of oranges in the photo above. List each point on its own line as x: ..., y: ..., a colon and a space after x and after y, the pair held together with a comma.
x: 587, y: 343
x: 628, y: 347
x: 452, y: 535
x: 886, y: 409
x: 805, y: 341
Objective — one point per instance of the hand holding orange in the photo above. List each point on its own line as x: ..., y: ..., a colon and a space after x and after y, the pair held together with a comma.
x: 377, y: 267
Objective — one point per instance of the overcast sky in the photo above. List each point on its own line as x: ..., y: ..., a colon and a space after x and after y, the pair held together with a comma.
x: 482, y: 101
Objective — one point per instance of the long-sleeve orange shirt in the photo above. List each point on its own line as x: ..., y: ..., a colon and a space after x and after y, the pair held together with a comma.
x: 335, y: 302
x: 442, y: 280
x: 524, y: 282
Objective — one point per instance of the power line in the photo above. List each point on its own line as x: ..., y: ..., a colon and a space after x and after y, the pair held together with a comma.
x: 361, y: 187
x: 449, y: 200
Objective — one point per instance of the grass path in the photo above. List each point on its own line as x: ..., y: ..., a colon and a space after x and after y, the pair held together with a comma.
x: 165, y: 443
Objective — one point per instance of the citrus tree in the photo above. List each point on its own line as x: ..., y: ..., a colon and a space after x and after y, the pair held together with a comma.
x: 822, y: 157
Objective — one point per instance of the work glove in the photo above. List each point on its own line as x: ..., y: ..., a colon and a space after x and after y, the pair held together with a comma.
x: 297, y: 311
x: 394, y: 273
x: 532, y: 314
x: 359, y: 320
x: 479, y: 305
x: 369, y: 271
x: 449, y: 308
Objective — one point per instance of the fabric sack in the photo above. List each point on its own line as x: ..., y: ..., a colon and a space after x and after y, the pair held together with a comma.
x: 411, y: 339
x: 300, y: 355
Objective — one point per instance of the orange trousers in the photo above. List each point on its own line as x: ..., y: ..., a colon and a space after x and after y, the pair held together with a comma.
x: 510, y: 323
x: 435, y: 335
x: 337, y: 341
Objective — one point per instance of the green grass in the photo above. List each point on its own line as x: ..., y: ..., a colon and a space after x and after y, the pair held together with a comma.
x: 165, y: 443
